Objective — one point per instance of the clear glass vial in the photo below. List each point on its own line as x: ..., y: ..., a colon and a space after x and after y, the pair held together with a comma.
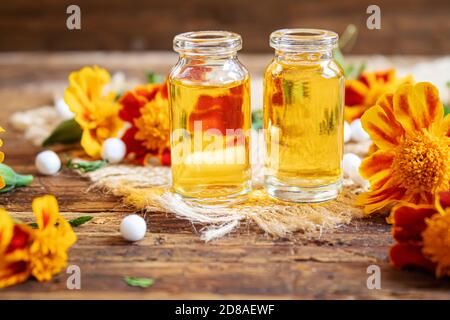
x: 303, y: 116
x: 210, y: 119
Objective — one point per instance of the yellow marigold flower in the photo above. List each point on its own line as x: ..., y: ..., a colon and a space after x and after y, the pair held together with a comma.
x: 95, y: 111
x: 2, y: 157
x: 412, y: 161
x: 362, y: 93
x: 40, y: 252
x: 53, y: 237
x: 153, y: 126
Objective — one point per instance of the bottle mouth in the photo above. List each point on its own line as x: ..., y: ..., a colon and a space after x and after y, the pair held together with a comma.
x: 207, y: 42
x: 303, y: 40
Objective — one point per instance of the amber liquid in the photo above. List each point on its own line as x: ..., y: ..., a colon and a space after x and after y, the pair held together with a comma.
x: 303, y: 118
x: 210, y: 140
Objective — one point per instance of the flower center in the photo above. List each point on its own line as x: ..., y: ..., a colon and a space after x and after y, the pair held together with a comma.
x: 422, y: 163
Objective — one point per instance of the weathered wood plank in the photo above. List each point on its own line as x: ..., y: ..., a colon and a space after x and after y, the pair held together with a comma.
x: 246, y: 265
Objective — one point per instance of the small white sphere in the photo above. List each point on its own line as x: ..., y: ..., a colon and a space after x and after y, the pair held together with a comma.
x: 358, y: 133
x: 133, y: 227
x: 350, y: 164
x: 347, y: 132
x: 48, y: 163
x: 63, y: 109
x: 113, y: 150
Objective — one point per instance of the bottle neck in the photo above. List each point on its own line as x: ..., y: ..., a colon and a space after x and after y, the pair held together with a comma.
x: 303, y: 57
x: 195, y: 57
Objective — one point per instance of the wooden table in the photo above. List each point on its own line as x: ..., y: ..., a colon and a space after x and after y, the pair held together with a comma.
x: 247, y: 264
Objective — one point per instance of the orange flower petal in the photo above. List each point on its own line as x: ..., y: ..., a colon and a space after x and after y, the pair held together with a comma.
x: 409, y: 254
x: 355, y: 92
x: 426, y: 97
x: 375, y: 200
x: 416, y: 107
x: 382, y: 130
x: 409, y: 221
x: 377, y: 161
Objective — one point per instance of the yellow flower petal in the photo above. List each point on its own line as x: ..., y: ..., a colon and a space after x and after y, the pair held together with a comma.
x: 417, y: 107
x: 46, y: 211
x: 90, y: 144
x: 6, y: 229
x: 384, y: 133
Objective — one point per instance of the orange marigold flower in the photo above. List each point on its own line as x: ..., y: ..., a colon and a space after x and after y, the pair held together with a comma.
x: 146, y: 108
x: 422, y: 233
x: 95, y: 111
x: 2, y: 157
x: 40, y: 252
x: 362, y: 93
x: 15, y: 240
x: 412, y: 160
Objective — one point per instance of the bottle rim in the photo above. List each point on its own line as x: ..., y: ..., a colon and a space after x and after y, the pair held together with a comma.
x: 207, y: 42
x: 303, y: 40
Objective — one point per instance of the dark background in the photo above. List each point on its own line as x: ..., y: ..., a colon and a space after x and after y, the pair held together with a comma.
x: 408, y: 26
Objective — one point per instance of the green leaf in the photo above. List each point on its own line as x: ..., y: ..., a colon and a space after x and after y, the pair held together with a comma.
x: 74, y: 222
x: 139, y: 282
x: 154, y: 77
x: 257, y: 119
x: 12, y: 179
x: 86, y: 166
x: 353, y: 72
x: 339, y: 57
x: 446, y: 109
x: 67, y: 132
x: 80, y: 220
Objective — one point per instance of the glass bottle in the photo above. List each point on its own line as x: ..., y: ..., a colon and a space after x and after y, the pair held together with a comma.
x: 303, y: 117
x: 210, y: 119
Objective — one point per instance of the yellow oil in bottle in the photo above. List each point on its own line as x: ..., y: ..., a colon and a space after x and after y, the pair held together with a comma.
x: 303, y: 119
x: 210, y: 140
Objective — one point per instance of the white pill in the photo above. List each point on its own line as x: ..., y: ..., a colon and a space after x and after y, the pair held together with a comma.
x: 347, y: 132
x: 350, y: 164
x: 63, y: 109
x: 358, y: 133
x: 113, y: 150
x: 48, y: 163
x: 133, y: 228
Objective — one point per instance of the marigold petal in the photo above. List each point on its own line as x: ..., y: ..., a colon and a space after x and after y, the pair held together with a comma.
x: 426, y: 97
x: 6, y: 229
x: 376, y: 162
x: 417, y: 107
x: 408, y: 255
x: 375, y: 200
x: 355, y: 92
x: 444, y: 199
x: 383, y: 131
x: 13, y: 273
x: 90, y: 144
x: 46, y: 211
x: 409, y: 221
x: 445, y: 127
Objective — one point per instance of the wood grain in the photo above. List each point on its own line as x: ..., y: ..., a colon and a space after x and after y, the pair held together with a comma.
x: 246, y: 265
x: 407, y: 26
